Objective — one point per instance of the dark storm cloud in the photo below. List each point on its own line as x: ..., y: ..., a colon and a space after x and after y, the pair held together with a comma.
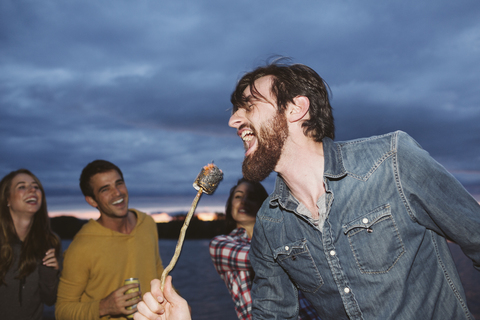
x: 147, y: 84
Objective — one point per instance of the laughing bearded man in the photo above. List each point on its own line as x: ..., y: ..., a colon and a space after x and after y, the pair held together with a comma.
x: 360, y: 227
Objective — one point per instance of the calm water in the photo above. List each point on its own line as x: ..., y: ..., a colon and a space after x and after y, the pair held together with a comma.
x: 198, y: 282
x: 196, y: 279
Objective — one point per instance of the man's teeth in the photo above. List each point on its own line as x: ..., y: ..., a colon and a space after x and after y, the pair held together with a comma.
x: 247, y: 135
x: 118, y: 201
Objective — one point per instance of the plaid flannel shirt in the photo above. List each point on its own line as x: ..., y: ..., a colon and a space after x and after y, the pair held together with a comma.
x: 229, y: 254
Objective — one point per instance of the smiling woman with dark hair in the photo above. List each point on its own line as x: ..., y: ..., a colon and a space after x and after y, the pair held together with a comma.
x: 29, y: 250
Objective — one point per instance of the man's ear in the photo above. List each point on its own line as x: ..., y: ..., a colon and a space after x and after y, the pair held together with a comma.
x: 298, y: 109
x: 91, y: 201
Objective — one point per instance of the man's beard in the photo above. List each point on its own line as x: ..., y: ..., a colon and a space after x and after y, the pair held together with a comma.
x: 258, y: 165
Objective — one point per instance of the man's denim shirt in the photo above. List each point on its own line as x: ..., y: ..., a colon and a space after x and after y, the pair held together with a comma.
x: 382, y: 252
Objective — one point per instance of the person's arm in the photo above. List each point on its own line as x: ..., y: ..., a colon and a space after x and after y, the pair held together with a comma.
x: 436, y: 200
x: 73, y: 282
x: 229, y: 254
x: 274, y: 296
x: 166, y: 305
x: 48, y: 273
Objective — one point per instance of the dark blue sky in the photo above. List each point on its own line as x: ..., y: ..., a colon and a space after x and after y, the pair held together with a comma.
x: 146, y: 84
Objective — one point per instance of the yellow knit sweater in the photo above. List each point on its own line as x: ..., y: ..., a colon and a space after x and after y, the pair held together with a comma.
x: 99, y: 260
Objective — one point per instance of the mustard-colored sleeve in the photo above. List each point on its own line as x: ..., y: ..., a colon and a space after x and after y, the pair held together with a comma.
x: 73, y: 281
x: 158, y: 258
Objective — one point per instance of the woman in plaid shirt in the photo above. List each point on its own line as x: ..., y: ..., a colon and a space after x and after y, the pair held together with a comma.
x: 229, y: 252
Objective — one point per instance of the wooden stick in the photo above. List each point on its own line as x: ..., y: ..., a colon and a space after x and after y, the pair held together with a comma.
x: 178, y: 248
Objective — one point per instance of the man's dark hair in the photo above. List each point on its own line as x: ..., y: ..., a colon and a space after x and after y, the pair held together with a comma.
x: 288, y: 82
x: 91, y: 169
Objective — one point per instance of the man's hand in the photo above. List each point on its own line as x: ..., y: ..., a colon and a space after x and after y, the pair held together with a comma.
x: 166, y: 305
x: 115, y: 303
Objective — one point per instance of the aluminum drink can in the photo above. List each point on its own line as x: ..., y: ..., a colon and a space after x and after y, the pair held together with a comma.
x: 136, y: 289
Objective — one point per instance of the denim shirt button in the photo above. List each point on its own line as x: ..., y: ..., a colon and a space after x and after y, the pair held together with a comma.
x: 332, y: 253
x: 365, y: 220
x: 286, y: 248
x: 346, y: 290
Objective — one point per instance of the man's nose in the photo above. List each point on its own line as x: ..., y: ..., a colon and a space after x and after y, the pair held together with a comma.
x: 117, y: 191
x: 236, y: 119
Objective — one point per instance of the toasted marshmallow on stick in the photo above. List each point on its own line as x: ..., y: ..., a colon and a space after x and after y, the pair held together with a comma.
x: 206, y: 182
x: 208, y: 179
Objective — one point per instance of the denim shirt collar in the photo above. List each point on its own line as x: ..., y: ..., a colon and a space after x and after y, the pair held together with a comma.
x: 333, y: 168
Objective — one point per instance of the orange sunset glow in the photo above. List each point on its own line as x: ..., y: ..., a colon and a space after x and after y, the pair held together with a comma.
x: 85, y: 215
x: 207, y: 216
x: 161, y: 217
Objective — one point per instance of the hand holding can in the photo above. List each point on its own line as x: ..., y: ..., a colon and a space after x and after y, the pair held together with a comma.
x: 135, y: 289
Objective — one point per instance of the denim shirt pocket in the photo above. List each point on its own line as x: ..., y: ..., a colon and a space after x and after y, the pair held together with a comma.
x: 375, y: 240
x: 297, y: 261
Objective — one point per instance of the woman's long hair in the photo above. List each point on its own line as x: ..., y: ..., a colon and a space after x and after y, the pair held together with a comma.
x: 257, y: 194
x: 40, y: 237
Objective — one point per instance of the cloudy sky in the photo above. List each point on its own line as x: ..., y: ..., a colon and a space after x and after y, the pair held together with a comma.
x: 146, y: 84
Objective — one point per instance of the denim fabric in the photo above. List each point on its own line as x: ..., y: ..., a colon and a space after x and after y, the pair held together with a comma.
x: 382, y: 252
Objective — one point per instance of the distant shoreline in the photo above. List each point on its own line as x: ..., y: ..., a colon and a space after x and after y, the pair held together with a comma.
x: 66, y: 227
x: 172, y: 205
